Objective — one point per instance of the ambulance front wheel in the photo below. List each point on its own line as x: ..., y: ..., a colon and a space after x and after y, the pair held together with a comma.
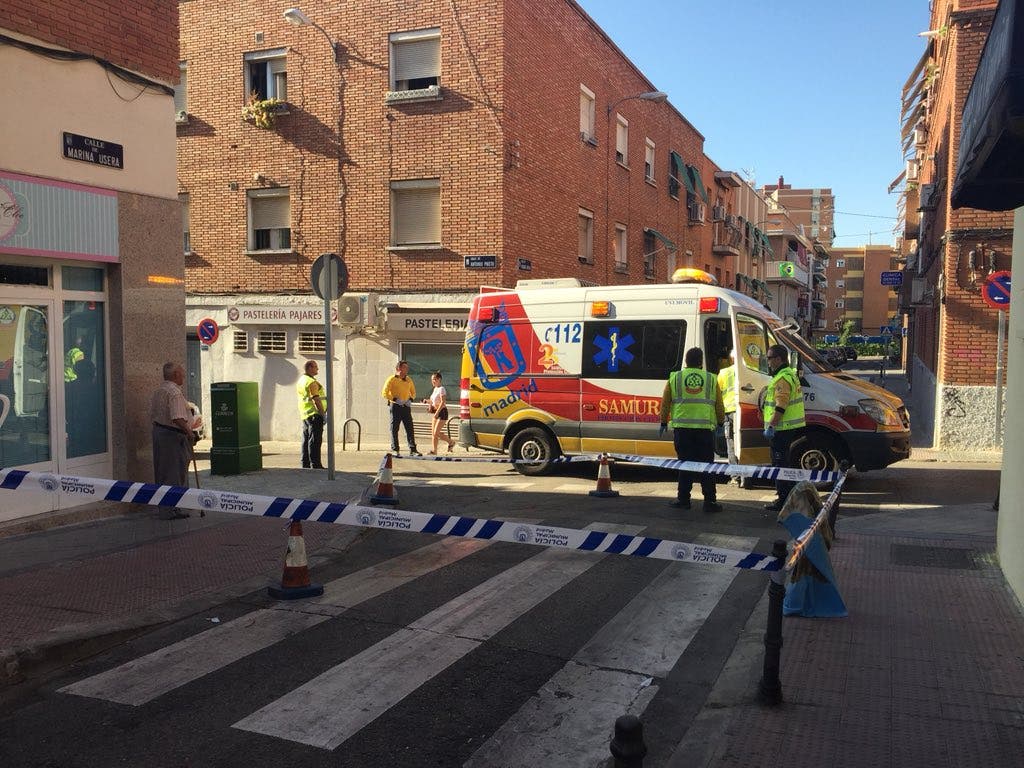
x: 535, y: 446
x: 817, y: 451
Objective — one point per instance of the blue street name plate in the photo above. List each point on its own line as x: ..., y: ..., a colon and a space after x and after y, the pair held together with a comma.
x: 480, y: 262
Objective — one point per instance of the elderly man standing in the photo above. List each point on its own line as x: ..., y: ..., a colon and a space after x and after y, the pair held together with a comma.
x: 172, y: 432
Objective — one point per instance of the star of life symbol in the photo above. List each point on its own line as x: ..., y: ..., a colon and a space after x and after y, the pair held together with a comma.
x: 612, y: 349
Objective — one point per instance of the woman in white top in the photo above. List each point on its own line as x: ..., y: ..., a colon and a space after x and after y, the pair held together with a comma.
x: 438, y: 402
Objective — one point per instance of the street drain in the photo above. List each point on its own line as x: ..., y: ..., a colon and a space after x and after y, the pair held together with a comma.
x: 956, y: 558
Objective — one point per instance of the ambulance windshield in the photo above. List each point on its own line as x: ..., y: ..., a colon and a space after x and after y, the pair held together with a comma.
x: 809, y: 357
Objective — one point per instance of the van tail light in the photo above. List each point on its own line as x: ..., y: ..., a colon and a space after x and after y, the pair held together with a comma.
x: 464, y: 398
x: 708, y: 304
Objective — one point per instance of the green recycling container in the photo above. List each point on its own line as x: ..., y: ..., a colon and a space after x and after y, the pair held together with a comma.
x: 235, y: 422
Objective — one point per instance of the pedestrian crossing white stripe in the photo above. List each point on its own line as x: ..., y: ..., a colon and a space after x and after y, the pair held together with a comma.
x: 566, y: 722
x: 144, y: 679
x: 329, y: 709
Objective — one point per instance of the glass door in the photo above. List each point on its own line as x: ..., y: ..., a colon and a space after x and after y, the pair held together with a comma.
x: 27, y: 403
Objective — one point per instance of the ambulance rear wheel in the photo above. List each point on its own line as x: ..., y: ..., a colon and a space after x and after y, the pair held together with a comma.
x: 534, y: 445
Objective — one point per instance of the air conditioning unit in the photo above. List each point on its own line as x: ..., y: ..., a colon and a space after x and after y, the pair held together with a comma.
x: 718, y: 213
x: 913, y: 169
x: 929, y: 197
x: 920, y: 136
x: 697, y: 213
x: 358, y: 309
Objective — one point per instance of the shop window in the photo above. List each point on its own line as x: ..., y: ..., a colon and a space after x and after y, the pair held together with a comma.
x: 266, y: 75
x: 81, y: 279
x: 312, y: 342
x: 240, y: 342
x: 271, y: 341
x: 13, y: 274
x: 424, y: 359
x: 416, y: 213
x: 269, y: 219
x: 85, y: 379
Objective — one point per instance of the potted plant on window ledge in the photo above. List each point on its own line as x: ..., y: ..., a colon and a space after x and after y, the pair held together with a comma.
x: 262, y: 112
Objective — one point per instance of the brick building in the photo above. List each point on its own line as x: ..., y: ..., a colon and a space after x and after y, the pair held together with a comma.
x: 951, y: 354
x: 91, y: 277
x: 855, y: 290
x: 440, y: 147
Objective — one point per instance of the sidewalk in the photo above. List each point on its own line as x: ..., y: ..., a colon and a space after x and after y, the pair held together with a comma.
x: 927, y: 669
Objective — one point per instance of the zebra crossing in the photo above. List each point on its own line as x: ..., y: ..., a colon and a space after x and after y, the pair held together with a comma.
x: 616, y: 669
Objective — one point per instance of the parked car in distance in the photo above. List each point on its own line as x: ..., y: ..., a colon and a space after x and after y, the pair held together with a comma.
x: 833, y: 356
x: 849, y: 353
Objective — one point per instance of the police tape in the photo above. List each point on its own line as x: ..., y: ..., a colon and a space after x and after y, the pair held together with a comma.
x: 78, y: 489
x: 714, y: 468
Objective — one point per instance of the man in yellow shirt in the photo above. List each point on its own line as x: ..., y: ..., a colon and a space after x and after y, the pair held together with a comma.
x: 399, y: 391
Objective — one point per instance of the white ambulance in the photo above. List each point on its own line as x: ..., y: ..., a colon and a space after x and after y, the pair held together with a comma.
x: 554, y: 368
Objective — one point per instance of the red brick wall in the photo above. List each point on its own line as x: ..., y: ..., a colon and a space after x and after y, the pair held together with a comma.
x: 141, y: 35
x: 504, y: 141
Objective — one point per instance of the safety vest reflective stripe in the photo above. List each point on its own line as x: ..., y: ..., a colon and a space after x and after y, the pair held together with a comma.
x: 727, y: 385
x: 696, y: 411
x: 73, y: 356
x: 793, y: 416
x: 307, y: 407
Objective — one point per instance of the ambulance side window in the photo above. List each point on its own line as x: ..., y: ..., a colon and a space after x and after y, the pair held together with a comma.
x: 717, y: 343
x: 753, y: 339
x: 632, y: 349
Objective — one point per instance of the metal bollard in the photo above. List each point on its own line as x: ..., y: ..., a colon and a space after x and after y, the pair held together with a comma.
x: 627, y: 745
x: 769, y: 690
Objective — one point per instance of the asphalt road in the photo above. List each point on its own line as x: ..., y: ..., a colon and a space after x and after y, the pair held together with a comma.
x: 446, y: 652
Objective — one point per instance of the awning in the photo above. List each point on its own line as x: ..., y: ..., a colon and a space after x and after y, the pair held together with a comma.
x: 895, y: 182
x: 767, y: 244
x: 676, y: 171
x: 698, y: 183
x: 688, y: 180
x: 665, y: 241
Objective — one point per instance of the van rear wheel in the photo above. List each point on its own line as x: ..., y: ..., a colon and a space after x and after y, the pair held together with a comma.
x: 534, y: 445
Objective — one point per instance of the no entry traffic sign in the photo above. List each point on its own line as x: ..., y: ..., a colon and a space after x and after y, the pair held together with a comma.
x: 996, y: 291
x: 207, y: 330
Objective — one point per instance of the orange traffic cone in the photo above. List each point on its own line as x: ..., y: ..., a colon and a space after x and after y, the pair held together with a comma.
x: 295, y: 579
x: 385, y: 492
x: 604, y: 480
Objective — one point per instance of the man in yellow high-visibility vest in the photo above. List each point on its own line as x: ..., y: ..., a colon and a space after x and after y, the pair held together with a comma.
x: 692, y: 405
x: 312, y: 408
x: 783, y: 416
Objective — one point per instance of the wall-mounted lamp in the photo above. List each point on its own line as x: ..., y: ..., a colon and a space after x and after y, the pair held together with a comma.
x: 299, y: 19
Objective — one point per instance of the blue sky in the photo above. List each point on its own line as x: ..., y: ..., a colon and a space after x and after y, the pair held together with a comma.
x: 809, y: 89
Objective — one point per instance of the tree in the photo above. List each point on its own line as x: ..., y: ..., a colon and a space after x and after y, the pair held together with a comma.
x: 844, y: 336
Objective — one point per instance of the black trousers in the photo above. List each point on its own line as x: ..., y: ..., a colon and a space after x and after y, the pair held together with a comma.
x: 312, y: 439
x: 695, y: 445
x: 780, y: 445
x: 401, y: 415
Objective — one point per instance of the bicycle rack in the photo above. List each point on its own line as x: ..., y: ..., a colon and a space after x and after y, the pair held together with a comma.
x: 344, y: 434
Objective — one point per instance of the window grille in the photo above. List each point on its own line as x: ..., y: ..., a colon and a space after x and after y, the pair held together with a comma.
x: 271, y: 341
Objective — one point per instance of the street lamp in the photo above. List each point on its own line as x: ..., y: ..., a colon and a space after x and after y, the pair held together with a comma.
x: 655, y: 96
x: 299, y: 19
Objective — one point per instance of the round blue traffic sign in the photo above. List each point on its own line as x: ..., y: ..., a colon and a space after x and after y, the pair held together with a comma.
x: 207, y: 330
x: 996, y: 291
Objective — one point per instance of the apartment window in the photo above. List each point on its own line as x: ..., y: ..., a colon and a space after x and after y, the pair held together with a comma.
x: 181, y: 92
x: 621, y: 140
x: 619, y: 244
x: 675, y: 173
x: 839, y: 323
x: 271, y: 341
x: 841, y: 263
x: 240, y: 342
x: 587, y: 102
x: 840, y: 283
x: 650, y: 251
x: 839, y: 304
x: 415, y: 60
x: 416, y: 213
x: 649, y: 160
x: 265, y: 74
x: 586, y: 245
x: 269, y: 219
x: 312, y: 343
x: 186, y: 235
